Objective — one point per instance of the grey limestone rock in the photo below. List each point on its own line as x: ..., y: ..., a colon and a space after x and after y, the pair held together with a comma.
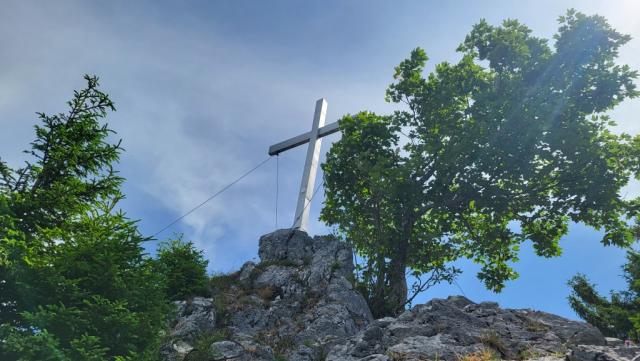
x: 604, y: 353
x: 445, y: 329
x: 225, y: 350
x: 298, y: 304
x: 193, y: 318
x: 294, y: 304
x: 246, y: 271
x: 282, y: 245
x: 612, y: 341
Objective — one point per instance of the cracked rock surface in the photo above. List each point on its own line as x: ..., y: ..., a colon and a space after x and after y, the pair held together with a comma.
x: 298, y: 304
x: 604, y: 353
x: 446, y: 329
x: 293, y: 305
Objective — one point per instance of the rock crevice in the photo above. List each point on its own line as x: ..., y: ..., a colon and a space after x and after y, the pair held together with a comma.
x: 299, y: 304
x: 295, y: 304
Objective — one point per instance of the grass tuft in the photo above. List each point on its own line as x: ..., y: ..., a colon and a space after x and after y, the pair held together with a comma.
x: 485, y: 354
x: 202, y: 346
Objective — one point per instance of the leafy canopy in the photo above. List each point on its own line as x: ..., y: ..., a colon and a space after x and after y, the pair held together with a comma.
x: 509, y: 144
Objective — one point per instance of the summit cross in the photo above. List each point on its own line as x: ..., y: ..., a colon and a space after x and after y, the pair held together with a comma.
x: 314, y: 138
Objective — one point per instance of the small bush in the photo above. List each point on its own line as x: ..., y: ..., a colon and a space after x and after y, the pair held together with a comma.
x: 202, y: 346
x: 535, y: 326
x: 184, y: 269
x: 492, y: 339
x: 335, y: 266
x: 222, y: 282
x: 222, y: 310
x: 529, y: 353
x: 283, y: 345
x: 278, y: 357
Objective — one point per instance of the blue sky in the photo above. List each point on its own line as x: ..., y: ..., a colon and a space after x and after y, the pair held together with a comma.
x: 204, y: 87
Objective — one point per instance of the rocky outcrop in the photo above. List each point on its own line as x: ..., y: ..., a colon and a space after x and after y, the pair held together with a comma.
x: 293, y: 305
x: 194, y: 318
x: 604, y: 353
x: 298, y: 304
x: 446, y: 329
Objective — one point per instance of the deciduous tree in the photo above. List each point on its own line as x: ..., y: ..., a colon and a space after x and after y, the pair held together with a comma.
x: 509, y: 144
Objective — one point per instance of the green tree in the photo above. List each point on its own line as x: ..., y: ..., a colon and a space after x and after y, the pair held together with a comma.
x: 616, y: 316
x: 183, y: 268
x: 508, y: 144
x: 71, y: 172
x: 75, y: 283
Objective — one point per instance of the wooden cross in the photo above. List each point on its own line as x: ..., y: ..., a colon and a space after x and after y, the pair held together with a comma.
x: 314, y: 138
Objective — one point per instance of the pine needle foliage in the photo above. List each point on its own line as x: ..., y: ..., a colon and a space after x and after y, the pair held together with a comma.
x: 75, y: 282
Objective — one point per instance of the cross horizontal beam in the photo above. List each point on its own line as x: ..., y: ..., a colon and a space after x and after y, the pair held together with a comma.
x: 302, y: 139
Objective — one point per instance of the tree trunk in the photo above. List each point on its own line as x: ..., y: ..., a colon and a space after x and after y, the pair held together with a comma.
x: 389, y: 294
x: 397, y: 280
x: 397, y: 291
x: 377, y: 296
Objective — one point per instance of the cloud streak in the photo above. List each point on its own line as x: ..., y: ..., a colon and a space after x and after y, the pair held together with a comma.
x: 203, y: 89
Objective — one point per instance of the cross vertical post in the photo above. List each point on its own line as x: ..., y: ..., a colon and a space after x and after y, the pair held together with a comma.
x: 314, y: 138
x: 301, y: 219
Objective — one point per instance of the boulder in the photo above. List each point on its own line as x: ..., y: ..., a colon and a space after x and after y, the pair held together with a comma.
x: 225, y: 350
x: 446, y: 329
x: 194, y: 317
x: 612, y: 341
x: 604, y: 353
x: 294, y: 304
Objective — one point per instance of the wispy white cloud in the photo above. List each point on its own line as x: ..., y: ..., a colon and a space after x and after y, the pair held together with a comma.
x: 195, y: 111
x: 200, y: 97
